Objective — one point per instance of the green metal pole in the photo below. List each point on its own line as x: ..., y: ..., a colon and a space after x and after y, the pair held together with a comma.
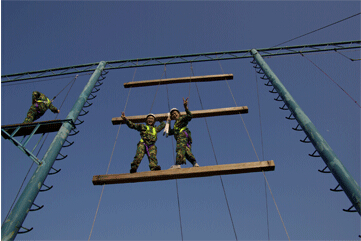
x: 343, y: 177
x: 17, y: 216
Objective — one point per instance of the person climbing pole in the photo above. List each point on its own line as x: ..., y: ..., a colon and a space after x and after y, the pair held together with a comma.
x: 146, y: 145
x: 40, y: 104
x: 182, y: 135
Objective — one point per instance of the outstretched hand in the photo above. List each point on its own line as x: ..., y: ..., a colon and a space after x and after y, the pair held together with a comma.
x: 185, y: 103
x: 123, y: 116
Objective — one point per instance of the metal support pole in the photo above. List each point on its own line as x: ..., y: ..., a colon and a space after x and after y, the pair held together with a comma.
x: 17, y: 216
x: 346, y: 181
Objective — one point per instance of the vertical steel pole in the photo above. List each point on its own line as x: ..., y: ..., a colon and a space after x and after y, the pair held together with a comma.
x: 17, y: 216
x: 343, y: 177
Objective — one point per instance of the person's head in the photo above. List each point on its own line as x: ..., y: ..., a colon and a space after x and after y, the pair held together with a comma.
x: 150, y: 119
x: 174, y: 114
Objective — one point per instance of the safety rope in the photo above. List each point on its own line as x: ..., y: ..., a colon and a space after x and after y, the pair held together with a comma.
x: 319, y: 29
x: 174, y: 160
x: 215, y: 157
x: 254, y: 149
x: 111, y: 156
x: 332, y: 81
x: 22, y: 184
x: 262, y: 146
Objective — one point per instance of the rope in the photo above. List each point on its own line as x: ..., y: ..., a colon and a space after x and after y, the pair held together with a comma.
x: 174, y: 160
x: 111, y: 156
x: 347, y: 56
x: 332, y: 80
x: 22, y: 184
x: 165, y: 69
x: 249, y: 137
x: 215, y: 157
x: 320, y: 28
x: 260, y: 123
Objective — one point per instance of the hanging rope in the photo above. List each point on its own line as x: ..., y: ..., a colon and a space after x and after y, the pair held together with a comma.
x: 111, y: 156
x: 319, y: 29
x: 22, y: 184
x: 260, y: 123
x: 165, y: 69
x: 254, y: 149
x: 215, y: 157
x: 333, y: 81
x: 174, y: 160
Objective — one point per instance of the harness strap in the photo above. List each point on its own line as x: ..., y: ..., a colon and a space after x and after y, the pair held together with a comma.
x: 189, y: 141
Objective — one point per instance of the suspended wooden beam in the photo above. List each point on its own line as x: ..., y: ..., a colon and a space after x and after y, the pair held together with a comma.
x: 191, y: 172
x: 179, y: 80
x: 195, y: 114
x: 27, y: 129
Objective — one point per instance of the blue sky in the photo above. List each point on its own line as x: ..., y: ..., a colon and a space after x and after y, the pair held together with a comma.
x: 49, y: 34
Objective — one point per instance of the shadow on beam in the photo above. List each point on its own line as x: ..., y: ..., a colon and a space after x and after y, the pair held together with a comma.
x: 195, y: 114
x: 191, y: 172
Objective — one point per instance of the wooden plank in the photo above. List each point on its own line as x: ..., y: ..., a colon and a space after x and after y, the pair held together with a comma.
x: 195, y: 113
x: 26, y: 129
x: 179, y: 80
x: 191, y: 172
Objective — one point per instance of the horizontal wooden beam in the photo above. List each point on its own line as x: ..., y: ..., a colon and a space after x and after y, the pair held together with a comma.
x: 191, y: 172
x: 179, y: 80
x: 195, y: 114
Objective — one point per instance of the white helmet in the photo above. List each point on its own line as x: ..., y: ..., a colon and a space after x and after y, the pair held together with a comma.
x: 174, y: 109
x: 151, y: 114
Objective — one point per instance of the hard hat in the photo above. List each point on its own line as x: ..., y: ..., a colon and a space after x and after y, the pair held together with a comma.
x: 173, y: 110
x: 151, y: 114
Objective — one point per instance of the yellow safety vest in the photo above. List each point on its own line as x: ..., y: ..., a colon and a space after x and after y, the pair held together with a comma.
x: 47, y: 102
x: 148, y: 131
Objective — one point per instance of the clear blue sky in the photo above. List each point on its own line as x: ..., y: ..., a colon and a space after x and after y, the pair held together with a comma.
x: 49, y: 34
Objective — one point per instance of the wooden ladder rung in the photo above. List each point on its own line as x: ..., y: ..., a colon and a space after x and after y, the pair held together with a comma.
x: 195, y: 114
x: 191, y: 172
x: 178, y: 80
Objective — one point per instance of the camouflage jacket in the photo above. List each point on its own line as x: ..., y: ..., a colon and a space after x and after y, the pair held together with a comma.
x: 180, y: 126
x: 148, y: 136
x: 42, y: 102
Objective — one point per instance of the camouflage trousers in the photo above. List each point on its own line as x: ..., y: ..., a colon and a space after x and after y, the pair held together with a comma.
x: 33, y: 114
x: 184, y: 152
x: 141, y: 151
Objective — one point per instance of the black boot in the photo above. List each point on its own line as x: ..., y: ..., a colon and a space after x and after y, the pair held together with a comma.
x: 133, y: 170
x: 156, y: 168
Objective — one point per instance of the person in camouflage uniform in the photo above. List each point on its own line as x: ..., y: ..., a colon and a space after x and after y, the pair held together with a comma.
x: 40, y: 104
x: 183, y: 136
x: 146, y: 145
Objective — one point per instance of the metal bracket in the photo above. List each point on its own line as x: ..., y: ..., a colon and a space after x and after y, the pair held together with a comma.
x: 96, y: 89
x: 56, y: 171
x: 313, y: 154
x: 80, y: 122
x: 349, y: 210
x: 284, y: 107
x: 36, y: 209
x: 70, y: 143
x: 278, y: 99
x: 89, y: 104
x: 304, y: 140
x: 46, y: 189
x: 296, y: 129
x: 290, y: 118
x: 83, y: 114
x: 323, y: 170
x: 272, y: 91
x: 336, y: 190
x: 63, y: 157
x: 92, y: 97
x: 27, y: 230
x: 264, y: 77
x: 73, y: 134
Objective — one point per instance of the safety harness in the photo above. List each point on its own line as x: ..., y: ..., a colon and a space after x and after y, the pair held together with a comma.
x: 183, y: 129
x: 154, y: 133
